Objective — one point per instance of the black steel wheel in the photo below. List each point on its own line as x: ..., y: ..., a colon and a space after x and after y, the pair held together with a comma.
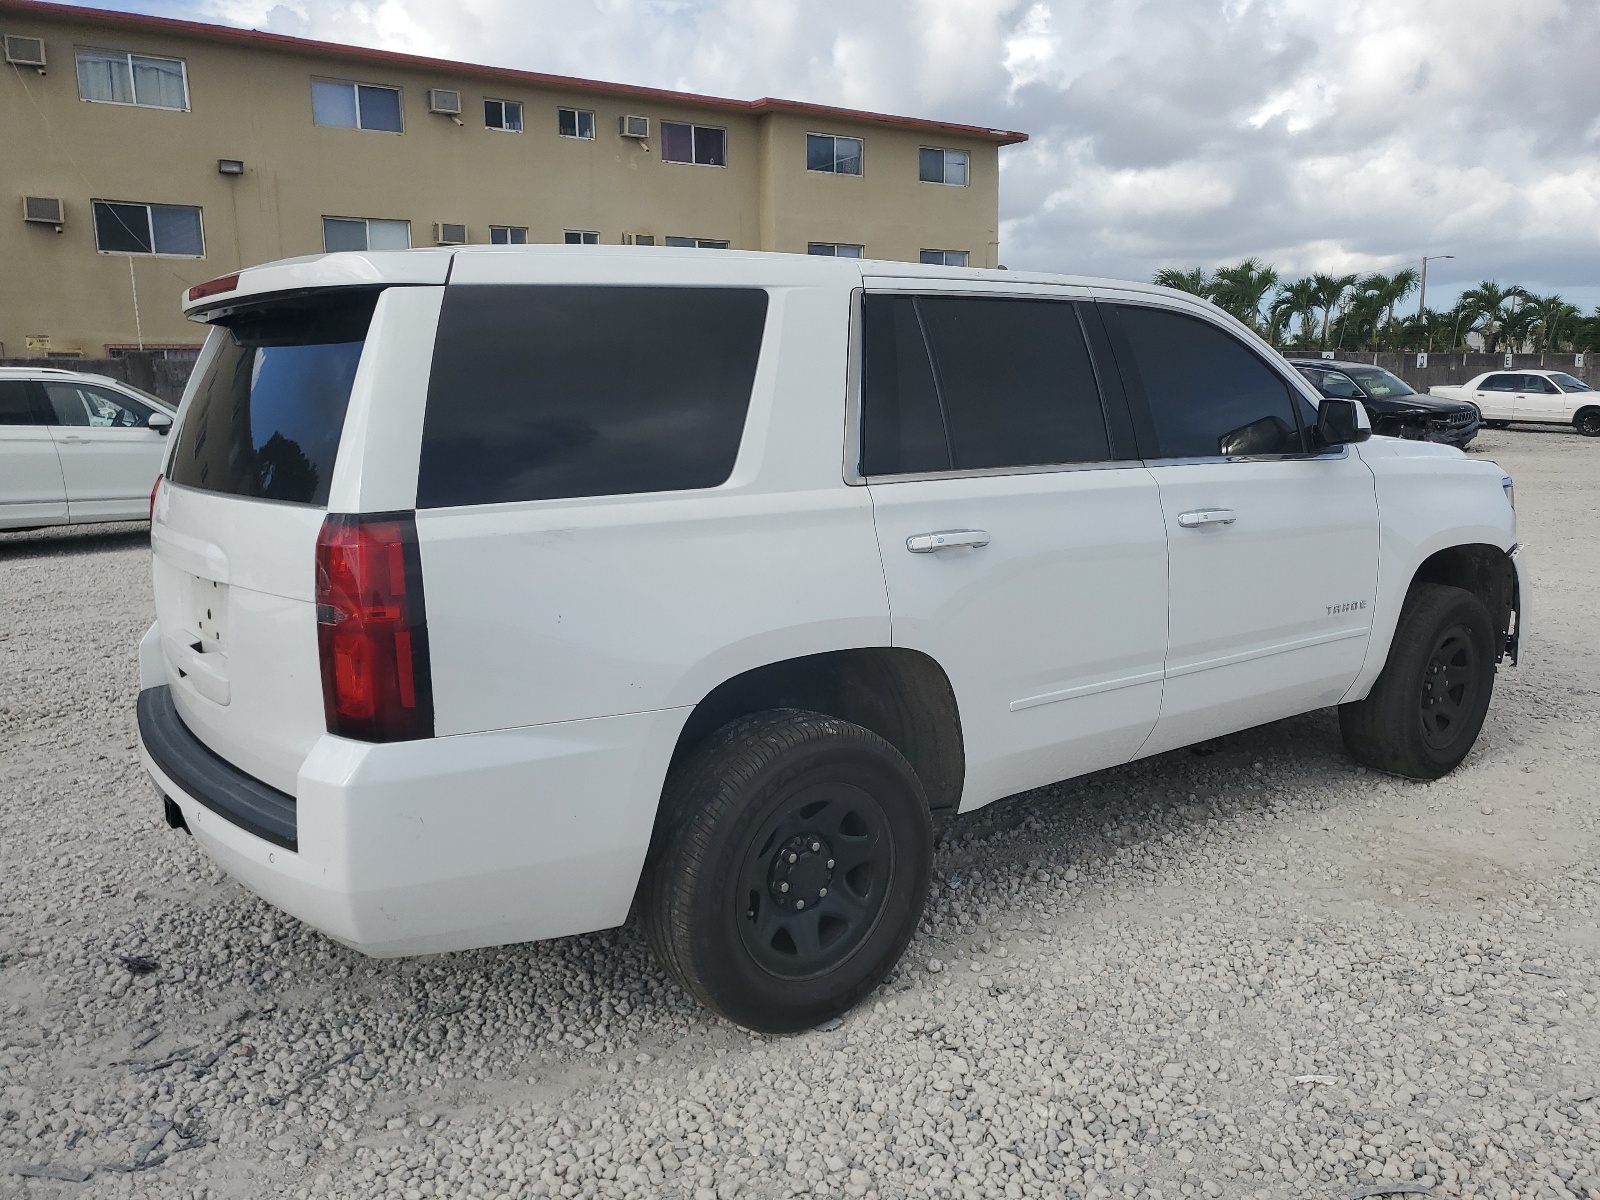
x: 1588, y: 422
x: 1427, y: 706
x: 814, y: 880
x: 1450, y: 684
x: 789, y: 869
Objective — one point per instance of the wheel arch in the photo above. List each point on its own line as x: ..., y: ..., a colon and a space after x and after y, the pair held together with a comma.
x: 903, y: 696
x: 1587, y: 410
x: 1486, y: 571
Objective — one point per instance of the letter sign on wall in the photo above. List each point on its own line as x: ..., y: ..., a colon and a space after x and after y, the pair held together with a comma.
x: 1422, y: 360
x: 1577, y: 360
x: 1508, y: 358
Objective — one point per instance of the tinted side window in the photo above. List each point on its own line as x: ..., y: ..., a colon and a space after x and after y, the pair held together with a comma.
x: 1538, y: 384
x: 267, y: 416
x: 16, y: 406
x: 1015, y: 380
x: 1499, y: 383
x: 1206, y: 393
x: 539, y: 392
x: 902, y: 429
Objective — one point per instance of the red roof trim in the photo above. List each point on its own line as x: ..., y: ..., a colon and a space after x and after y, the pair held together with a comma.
x: 278, y: 41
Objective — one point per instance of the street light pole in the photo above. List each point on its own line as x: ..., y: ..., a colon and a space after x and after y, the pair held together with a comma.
x: 1422, y: 292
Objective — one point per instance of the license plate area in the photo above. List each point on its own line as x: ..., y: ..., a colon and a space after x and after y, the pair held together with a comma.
x: 208, y: 616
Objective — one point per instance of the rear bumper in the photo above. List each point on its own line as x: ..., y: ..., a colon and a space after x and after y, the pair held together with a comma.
x: 439, y: 844
x: 196, y: 770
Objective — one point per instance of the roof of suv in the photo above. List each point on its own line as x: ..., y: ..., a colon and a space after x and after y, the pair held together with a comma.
x: 438, y: 265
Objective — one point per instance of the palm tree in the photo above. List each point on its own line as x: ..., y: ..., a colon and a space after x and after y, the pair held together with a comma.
x: 1239, y: 290
x: 1291, y: 301
x: 1389, y: 290
x: 1488, y: 307
x: 1195, y: 282
x: 1331, y: 291
x: 1551, y: 321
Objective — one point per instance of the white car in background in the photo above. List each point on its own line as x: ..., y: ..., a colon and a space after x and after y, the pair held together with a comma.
x: 76, y: 448
x: 1531, y: 397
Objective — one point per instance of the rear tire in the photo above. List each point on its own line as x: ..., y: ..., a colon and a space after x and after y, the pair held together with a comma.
x: 1426, y: 708
x: 1498, y: 424
x: 791, y: 869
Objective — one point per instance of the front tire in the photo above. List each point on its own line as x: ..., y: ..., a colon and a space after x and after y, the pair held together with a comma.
x: 1426, y: 708
x: 791, y: 871
x: 1588, y: 422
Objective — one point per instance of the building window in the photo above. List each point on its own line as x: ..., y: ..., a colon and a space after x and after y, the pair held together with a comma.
x: 702, y: 144
x: 836, y: 250
x: 359, y: 233
x: 355, y: 105
x: 581, y: 237
x: 700, y: 243
x: 945, y: 258
x: 943, y: 166
x: 503, y: 114
x: 834, y: 155
x: 508, y: 235
x: 114, y: 77
x: 575, y: 123
x: 170, y: 230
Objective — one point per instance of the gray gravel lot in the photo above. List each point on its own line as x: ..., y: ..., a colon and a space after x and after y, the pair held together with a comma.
x: 1249, y: 969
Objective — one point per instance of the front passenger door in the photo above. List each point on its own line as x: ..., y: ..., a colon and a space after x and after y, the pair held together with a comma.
x: 1538, y: 399
x: 1273, y: 547
x: 110, y: 456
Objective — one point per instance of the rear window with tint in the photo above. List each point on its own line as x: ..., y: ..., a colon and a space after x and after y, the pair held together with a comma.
x: 549, y: 391
x: 268, y: 413
x: 976, y: 383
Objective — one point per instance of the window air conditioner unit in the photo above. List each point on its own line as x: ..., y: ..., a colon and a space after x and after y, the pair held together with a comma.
x: 450, y: 235
x: 443, y: 100
x: 633, y: 126
x: 24, y: 51
x: 44, y: 210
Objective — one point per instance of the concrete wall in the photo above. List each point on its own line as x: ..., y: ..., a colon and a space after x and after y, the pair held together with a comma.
x: 252, y: 101
x: 1449, y: 369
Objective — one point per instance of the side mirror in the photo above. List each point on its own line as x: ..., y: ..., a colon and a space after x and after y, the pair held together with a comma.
x: 160, y: 422
x: 1341, y: 422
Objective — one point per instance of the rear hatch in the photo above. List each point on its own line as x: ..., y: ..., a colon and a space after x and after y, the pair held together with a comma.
x: 236, y: 522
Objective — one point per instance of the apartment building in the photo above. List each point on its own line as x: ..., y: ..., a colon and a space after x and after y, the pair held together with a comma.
x: 144, y: 155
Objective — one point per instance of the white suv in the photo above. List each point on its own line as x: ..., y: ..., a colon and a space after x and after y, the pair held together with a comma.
x: 502, y: 589
x: 76, y: 447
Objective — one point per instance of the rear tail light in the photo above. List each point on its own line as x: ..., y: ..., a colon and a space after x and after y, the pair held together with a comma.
x: 154, y: 492
x: 372, y: 628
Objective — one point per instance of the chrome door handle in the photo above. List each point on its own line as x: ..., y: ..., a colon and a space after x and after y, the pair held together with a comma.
x: 946, y: 539
x: 1207, y: 516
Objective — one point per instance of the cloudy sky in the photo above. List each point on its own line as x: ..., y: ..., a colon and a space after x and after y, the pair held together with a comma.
x: 1347, y: 135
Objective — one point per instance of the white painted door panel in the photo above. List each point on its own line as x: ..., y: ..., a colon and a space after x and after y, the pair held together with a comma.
x: 1270, y: 614
x: 31, y: 488
x: 1495, y: 406
x: 1053, y: 633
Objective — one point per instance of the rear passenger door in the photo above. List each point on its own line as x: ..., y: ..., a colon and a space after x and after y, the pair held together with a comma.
x: 1495, y: 397
x: 1022, y: 542
x: 31, y: 490
x: 1273, y: 546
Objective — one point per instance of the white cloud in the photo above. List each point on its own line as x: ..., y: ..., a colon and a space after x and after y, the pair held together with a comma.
x: 1322, y: 134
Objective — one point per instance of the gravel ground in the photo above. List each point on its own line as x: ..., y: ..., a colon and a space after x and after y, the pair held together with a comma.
x: 1248, y: 969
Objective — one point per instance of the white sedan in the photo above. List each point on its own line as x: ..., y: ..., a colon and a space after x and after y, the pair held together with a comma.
x: 76, y: 448
x: 1531, y: 396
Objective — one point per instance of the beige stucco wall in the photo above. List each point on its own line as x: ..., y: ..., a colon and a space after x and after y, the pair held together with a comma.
x: 253, y: 103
